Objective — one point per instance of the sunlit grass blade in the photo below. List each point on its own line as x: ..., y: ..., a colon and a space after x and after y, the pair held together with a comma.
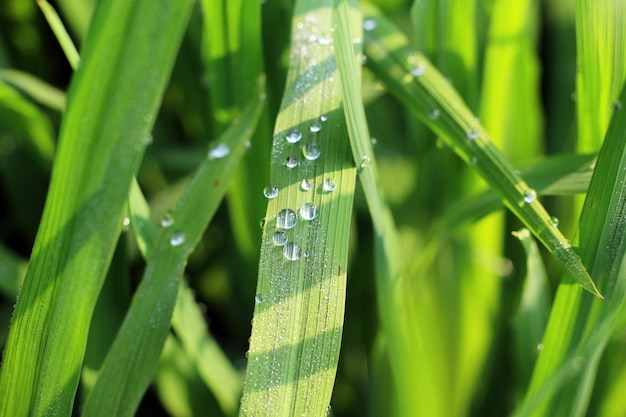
x: 59, y: 30
x: 40, y: 91
x: 575, y: 320
x: 409, y: 76
x: 298, y: 317
x: 133, y: 357
x: 102, y: 141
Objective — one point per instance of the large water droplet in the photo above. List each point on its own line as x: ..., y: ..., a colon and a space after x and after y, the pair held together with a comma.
x: 259, y: 298
x: 369, y: 24
x: 329, y: 185
x: 473, y: 134
x: 554, y: 221
x: 315, y: 127
x: 418, y: 71
x: 323, y: 117
x: 167, y: 220
x: 291, y: 251
x: 279, y: 238
x: 311, y: 151
x: 286, y: 219
x: 218, y: 150
x: 530, y: 196
x: 294, y: 136
x: 270, y: 191
x: 177, y: 238
x: 308, y: 211
x: 365, y: 162
x: 291, y: 162
x: 306, y: 185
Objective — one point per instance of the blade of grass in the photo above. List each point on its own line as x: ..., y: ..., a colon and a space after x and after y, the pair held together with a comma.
x: 61, y: 34
x: 575, y: 320
x: 102, y: 140
x: 298, y: 317
x: 38, y: 90
x: 132, y: 359
x: 417, y: 83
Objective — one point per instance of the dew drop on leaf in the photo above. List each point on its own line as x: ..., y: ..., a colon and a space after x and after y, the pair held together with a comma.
x: 530, y: 196
x: 177, y: 238
x: 306, y: 185
x: 271, y: 191
x: 291, y: 251
x: 311, y: 151
x: 315, y: 127
x: 369, y: 24
x: 294, y: 136
x: 308, y: 211
x: 329, y: 185
x: 279, y: 238
x: 218, y: 150
x: 291, y: 162
x: 286, y: 219
x: 167, y: 220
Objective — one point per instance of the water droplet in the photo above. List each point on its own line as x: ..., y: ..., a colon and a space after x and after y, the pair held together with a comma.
x: 286, y: 219
x: 147, y: 139
x: 329, y: 185
x: 434, y: 114
x: 473, y: 134
x: 369, y: 24
x: 418, y: 71
x: 311, y: 151
x: 294, y: 136
x: 262, y: 223
x: 308, y: 211
x: 291, y: 162
x: 315, y: 127
x: 270, y: 191
x: 540, y: 347
x: 323, y: 118
x: 247, y: 144
x: 554, y: 221
x: 218, y: 150
x: 305, y: 254
x: 177, y: 238
x: 291, y: 251
x: 373, y: 141
x: 306, y: 185
x: 530, y: 196
x: 365, y: 162
x: 259, y: 299
x: 167, y: 220
x: 279, y: 238
x: 126, y: 223
x: 262, y: 96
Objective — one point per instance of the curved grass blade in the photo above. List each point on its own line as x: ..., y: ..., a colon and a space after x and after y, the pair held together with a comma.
x: 409, y: 76
x: 59, y: 31
x: 299, y: 309
x: 40, y: 91
x: 110, y: 110
x: 133, y: 357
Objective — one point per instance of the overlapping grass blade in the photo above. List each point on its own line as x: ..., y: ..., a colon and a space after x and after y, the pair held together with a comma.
x: 38, y: 90
x: 130, y: 363
x: 101, y: 144
x: 298, y: 317
x: 575, y: 320
x: 409, y: 76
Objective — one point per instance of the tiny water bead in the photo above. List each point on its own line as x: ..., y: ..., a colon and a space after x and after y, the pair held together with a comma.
x: 294, y: 136
x: 369, y: 24
x: 279, y: 238
x: 323, y: 117
x: 177, y: 238
x: 291, y: 162
x: 418, y: 71
x: 530, y: 196
x: 286, y: 219
x: 308, y: 211
x: 329, y: 185
x: 167, y: 220
x: 218, y: 150
x: 262, y: 223
x: 473, y: 134
x: 259, y: 298
x: 315, y: 127
x: 306, y: 185
x: 554, y: 221
x: 271, y: 191
x: 365, y: 162
x: 434, y: 114
x: 311, y: 151
x: 291, y: 251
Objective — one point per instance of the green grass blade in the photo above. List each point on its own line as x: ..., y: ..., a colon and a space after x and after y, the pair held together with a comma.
x: 298, y: 317
x: 133, y: 357
x: 38, y: 90
x: 418, y: 84
x: 601, y: 67
x: 101, y: 145
x: 575, y: 321
x: 59, y: 31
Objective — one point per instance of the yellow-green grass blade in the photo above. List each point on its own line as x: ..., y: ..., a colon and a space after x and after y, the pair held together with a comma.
x: 38, y: 90
x: 204, y: 353
x: 132, y: 359
x: 111, y: 105
x: 409, y: 76
x: 299, y: 305
x: 576, y: 321
x: 61, y: 34
x: 601, y: 67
